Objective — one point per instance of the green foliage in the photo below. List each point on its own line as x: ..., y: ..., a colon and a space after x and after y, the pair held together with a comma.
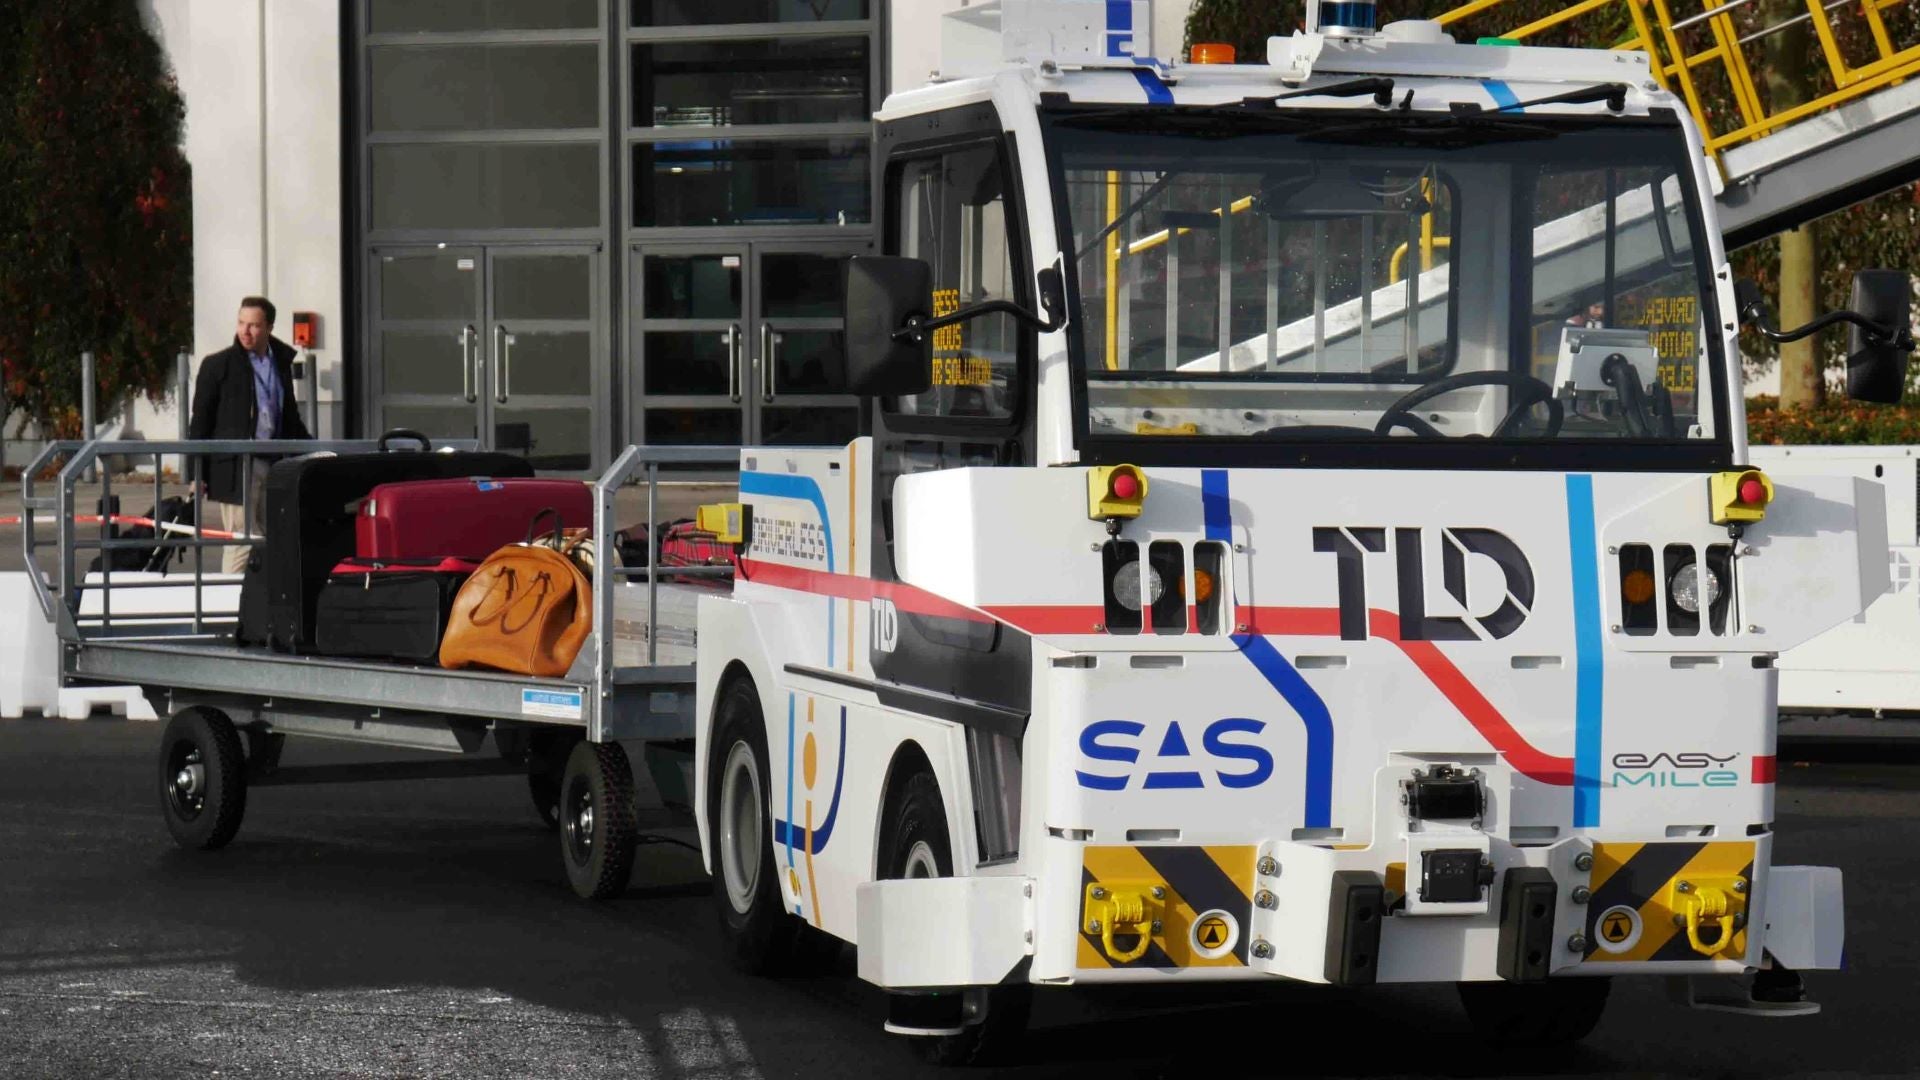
x: 95, y: 212
x: 1836, y: 421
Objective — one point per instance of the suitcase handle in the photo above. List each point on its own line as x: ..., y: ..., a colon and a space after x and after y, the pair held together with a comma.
x: 405, y: 433
x: 533, y: 527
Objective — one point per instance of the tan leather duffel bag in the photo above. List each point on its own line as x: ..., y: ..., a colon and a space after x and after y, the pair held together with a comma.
x: 527, y: 609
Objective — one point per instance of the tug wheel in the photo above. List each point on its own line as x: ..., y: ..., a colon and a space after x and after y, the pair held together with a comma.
x: 203, y: 779
x: 597, y: 822
x: 1553, y: 1013
x: 914, y: 844
x: 761, y: 936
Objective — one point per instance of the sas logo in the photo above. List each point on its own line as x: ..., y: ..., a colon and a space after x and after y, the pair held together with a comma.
x: 1683, y: 770
x: 1226, y: 758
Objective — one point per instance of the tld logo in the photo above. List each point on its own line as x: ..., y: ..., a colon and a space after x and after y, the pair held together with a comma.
x: 1350, y: 546
x: 1174, y: 764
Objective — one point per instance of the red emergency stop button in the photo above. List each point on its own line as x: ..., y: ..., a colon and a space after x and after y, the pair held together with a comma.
x: 1125, y: 485
x: 1752, y: 490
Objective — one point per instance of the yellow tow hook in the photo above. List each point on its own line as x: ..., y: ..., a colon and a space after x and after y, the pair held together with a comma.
x: 1125, y: 908
x: 1711, y: 902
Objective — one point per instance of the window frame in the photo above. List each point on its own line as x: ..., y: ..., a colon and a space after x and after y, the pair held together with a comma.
x: 962, y: 128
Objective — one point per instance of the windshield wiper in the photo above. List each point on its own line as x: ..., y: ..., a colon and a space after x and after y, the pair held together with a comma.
x: 1614, y: 94
x: 1126, y: 215
x: 1379, y: 86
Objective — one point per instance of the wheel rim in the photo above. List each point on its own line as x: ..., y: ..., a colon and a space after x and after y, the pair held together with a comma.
x: 740, y: 826
x: 186, y: 780
x: 920, y: 862
x: 576, y: 820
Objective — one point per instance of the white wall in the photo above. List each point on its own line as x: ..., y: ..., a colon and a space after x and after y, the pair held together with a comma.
x: 266, y: 171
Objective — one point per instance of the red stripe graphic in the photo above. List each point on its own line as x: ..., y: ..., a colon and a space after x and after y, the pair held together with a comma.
x: 1043, y: 619
x: 1764, y: 768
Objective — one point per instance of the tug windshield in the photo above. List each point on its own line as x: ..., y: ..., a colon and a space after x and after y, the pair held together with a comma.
x: 1295, y: 277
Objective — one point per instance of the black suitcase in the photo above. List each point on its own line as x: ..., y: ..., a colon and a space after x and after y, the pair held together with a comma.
x: 252, y: 628
x: 388, y: 610
x: 310, y: 511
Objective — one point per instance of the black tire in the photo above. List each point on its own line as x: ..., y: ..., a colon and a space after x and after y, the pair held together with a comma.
x: 597, y: 823
x: 1554, y: 1013
x: 757, y: 932
x: 203, y: 779
x: 914, y: 843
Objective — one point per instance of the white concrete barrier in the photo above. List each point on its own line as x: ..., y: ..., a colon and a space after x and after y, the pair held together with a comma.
x: 30, y: 650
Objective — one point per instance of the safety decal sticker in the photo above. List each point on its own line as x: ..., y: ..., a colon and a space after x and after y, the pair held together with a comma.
x: 1669, y: 901
x: 1165, y: 907
x: 558, y: 704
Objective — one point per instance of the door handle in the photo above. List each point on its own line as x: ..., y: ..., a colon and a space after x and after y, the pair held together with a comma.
x: 502, y: 364
x: 467, y: 334
x: 769, y: 361
x: 733, y: 361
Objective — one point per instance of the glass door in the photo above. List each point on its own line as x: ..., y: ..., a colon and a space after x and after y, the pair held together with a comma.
x: 690, y: 346
x: 427, y: 340
x: 800, y: 356
x: 540, y: 342
x: 496, y: 345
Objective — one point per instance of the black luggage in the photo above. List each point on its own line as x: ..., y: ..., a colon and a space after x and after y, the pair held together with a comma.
x: 311, y: 505
x: 252, y: 628
x: 388, y: 609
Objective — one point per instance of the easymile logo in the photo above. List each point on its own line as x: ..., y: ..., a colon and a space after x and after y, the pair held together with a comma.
x: 1685, y: 769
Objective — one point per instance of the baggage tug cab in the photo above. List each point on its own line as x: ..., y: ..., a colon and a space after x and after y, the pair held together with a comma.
x: 1301, y: 531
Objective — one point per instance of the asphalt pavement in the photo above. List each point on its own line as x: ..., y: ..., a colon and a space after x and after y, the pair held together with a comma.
x: 425, y: 929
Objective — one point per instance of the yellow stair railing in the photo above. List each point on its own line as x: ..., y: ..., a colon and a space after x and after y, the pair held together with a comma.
x: 1679, y: 46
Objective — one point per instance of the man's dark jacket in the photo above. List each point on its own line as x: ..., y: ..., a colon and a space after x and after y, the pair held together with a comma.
x: 225, y: 407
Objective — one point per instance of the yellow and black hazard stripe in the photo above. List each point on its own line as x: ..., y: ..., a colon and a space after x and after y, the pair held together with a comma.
x: 1631, y: 916
x: 1198, y: 880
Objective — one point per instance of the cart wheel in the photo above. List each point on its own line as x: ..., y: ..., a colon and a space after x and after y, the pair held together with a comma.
x: 596, y: 820
x: 914, y: 844
x: 1553, y: 1013
x: 757, y: 929
x: 203, y: 781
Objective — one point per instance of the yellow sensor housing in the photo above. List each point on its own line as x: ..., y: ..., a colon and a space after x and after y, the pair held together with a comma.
x: 1739, y: 496
x: 1115, y: 491
x: 728, y: 522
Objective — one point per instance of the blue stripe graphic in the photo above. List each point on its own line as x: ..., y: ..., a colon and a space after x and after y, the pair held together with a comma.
x: 1157, y: 92
x: 1502, y: 95
x: 783, y: 833
x: 1313, y: 713
x: 789, y: 840
x: 1590, y: 664
x: 1217, y: 510
x: 786, y: 486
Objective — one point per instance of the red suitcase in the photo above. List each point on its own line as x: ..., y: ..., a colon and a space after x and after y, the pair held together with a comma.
x: 468, y: 519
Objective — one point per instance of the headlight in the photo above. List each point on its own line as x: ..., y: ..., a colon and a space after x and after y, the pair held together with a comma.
x: 1684, y: 588
x: 1126, y: 585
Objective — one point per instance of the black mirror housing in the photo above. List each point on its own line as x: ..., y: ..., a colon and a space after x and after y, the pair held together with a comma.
x: 1877, y: 366
x: 883, y: 294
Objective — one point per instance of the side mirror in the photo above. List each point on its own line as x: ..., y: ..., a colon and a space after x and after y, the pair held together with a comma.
x: 1877, y: 363
x: 883, y: 293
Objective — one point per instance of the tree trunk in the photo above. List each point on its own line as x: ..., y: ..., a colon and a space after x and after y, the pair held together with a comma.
x: 1789, y: 82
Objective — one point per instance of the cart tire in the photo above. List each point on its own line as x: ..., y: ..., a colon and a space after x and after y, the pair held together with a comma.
x: 597, y: 823
x: 756, y: 930
x: 203, y: 779
x: 1553, y: 1013
x: 914, y: 843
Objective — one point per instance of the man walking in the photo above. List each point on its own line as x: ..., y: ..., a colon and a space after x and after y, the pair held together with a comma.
x: 244, y: 391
